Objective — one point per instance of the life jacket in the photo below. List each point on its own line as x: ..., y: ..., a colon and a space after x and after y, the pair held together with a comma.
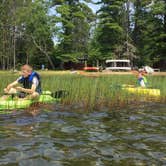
x: 143, y: 78
x: 27, y: 81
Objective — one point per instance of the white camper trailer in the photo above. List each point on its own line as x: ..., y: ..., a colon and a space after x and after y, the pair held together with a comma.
x: 118, y: 64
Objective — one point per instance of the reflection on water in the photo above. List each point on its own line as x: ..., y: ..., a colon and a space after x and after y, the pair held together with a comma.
x: 125, y: 137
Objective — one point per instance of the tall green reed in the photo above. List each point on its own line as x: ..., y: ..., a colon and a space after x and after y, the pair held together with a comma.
x: 93, y: 92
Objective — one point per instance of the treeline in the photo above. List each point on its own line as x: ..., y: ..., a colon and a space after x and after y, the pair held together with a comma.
x: 58, y: 32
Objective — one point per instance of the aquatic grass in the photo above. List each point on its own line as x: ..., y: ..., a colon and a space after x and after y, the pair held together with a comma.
x: 93, y: 92
x: 159, y: 82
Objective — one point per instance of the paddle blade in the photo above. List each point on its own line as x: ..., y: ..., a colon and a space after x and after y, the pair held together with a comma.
x: 60, y: 94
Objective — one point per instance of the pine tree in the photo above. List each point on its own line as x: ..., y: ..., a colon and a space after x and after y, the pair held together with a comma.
x: 149, y: 33
x: 75, y: 18
x: 110, y: 31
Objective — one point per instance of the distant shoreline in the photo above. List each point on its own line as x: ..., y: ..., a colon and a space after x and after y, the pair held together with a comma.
x: 118, y: 73
x: 80, y: 72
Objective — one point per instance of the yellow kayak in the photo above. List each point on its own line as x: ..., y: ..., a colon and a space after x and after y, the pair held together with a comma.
x: 142, y: 91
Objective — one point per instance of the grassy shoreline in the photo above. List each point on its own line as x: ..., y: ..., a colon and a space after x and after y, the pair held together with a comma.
x: 93, y: 92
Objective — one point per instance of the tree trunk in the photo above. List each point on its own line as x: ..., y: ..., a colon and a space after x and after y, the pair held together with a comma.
x: 62, y: 65
x: 14, y: 36
x: 3, y: 52
x: 27, y: 57
x: 127, y: 26
x: 44, y: 52
x: 136, y: 28
x: 14, y: 49
x: 165, y: 18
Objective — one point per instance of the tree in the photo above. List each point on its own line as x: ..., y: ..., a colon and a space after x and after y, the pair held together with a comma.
x: 132, y: 29
x: 149, y: 33
x: 26, y: 30
x: 38, y: 29
x: 8, y: 33
x: 75, y: 18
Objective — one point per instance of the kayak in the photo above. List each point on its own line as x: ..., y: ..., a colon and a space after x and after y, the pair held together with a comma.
x: 19, y: 103
x: 141, y: 91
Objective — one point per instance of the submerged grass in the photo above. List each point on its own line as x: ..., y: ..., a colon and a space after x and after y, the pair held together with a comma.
x: 93, y: 92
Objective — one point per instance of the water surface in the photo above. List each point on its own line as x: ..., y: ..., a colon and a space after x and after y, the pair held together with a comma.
x: 135, y: 136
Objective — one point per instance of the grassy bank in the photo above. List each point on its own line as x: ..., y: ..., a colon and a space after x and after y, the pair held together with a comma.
x: 92, y: 92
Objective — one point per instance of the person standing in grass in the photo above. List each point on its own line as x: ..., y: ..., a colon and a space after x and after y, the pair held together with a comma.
x: 30, y: 81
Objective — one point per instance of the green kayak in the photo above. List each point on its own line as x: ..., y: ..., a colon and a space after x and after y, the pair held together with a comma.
x: 10, y: 103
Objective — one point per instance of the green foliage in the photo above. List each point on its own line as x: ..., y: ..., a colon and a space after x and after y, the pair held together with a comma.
x: 76, y: 18
x: 39, y: 29
x: 93, y: 92
x: 109, y: 32
x: 132, y: 29
x: 149, y: 34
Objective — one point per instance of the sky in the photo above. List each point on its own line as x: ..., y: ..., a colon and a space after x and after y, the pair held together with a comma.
x: 93, y: 6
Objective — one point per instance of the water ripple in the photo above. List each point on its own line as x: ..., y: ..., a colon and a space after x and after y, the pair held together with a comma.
x: 126, y: 137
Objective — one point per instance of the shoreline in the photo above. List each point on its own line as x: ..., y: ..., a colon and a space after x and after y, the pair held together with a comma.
x: 81, y: 72
x: 107, y: 73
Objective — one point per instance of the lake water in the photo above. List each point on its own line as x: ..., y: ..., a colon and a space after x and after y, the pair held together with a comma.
x: 60, y: 138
